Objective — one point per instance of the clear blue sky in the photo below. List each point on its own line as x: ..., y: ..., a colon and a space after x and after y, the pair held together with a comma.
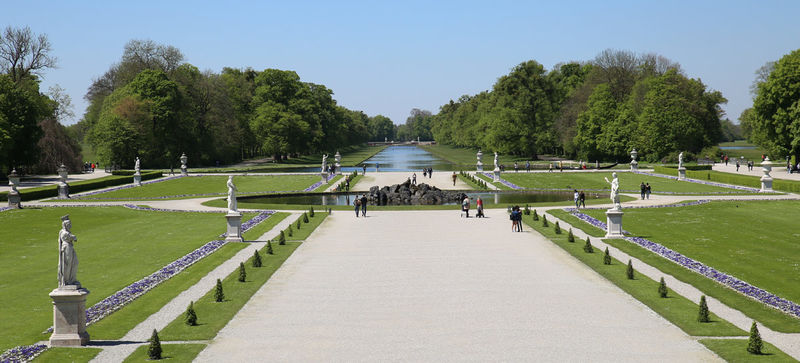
x: 389, y: 57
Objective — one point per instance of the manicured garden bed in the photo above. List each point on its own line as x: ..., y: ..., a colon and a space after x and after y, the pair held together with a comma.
x: 629, y: 182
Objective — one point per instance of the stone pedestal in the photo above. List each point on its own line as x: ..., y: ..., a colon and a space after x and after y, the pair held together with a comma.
x: 63, y: 190
x: 137, y: 179
x: 184, y: 171
x: 634, y: 165
x: 69, y: 317
x: 614, y: 223
x: 496, y: 175
x: 479, y: 167
x: 14, y: 200
x: 338, y: 164
x: 234, y: 220
x: 324, y: 177
x: 766, y: 184
x: 681, y: 173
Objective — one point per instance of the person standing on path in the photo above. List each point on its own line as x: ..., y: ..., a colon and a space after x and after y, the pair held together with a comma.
x: 582, y: 199
x: 737, y: 165
x: 364, y: 205
x: 479, y: 207
x: 465, y: 205
x: 455, y: 177
x: 528, y: 166
x: 430, y: 172
x: 516, y: 167
x: 643, y: 190
x: 576, y: 196
x: 364, y: 167
x: 347, y: 184
x: 357, y: 204
x: 414, y: 178
x: 647, y: 190
x: 424, y: 173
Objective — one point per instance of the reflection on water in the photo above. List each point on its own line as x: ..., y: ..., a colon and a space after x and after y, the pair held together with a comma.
x: 392, y: 158
x: 488, y: 197
x: 737, y: 147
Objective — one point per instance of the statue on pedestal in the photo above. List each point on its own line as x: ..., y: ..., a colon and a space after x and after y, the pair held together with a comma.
x: 232, y: 207
x: 680, y: 160
x: 496, y: 165
x: 614, y: 191
x: 136, y: 165
x: 324, y: 163
x: 67, y: 258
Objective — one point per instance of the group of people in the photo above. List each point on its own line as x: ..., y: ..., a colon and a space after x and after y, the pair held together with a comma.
x: 465, y: 205
x: 645, y: 190
x: 516, y: 219
x: 89, y: 167
x: 427, y: 172
x: 360, y: 204
x: 580, y: 198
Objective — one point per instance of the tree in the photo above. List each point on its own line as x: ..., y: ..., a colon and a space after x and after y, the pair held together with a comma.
x: 381, y: 128
x: 776, y: 123
x: 23, y: 53
x: 22, y: 107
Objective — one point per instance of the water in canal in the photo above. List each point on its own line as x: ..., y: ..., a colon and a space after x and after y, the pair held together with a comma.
x: 502, y: 197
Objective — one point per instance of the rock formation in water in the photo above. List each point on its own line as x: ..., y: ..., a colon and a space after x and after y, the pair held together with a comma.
x: 409, y: 194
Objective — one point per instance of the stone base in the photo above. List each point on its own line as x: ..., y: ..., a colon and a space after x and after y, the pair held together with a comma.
x: 766, y: 184
x: 234, y: 220
x: 338, y: 169
x: 614, y: 223
x: 324, y: 177
x: 137, y: 179
x: 14, y: 200
x: 184, y: 171
x: 681, y: 173
x: 69, y: 317
x: 496, y: 175
x: 63, y: 191
x: 479, y: 167
x: 634, y: 166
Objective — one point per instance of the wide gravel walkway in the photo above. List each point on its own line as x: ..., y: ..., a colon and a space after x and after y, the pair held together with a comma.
x: 430, y: 286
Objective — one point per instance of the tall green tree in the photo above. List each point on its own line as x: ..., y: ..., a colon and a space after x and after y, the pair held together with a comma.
x: 775, y: 124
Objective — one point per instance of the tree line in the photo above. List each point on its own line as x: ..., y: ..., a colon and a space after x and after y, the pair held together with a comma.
x: 595, y: 110
x: 154, y: 105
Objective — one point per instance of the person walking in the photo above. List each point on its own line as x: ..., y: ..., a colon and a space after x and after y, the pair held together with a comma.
x: 364, y: 167
x: 642, y: 189
x: 430, y: 172
x: 516, y: 167
x: 513, y: 218
x: 465, y: 206
x: 364, y: 205
x: 528, y: 166
x: 479, y: 207
x: 454, y: 178
x: 582, y: 199
x: 347, y: 184
x: 357, y: 204
x: 576, y: 196
x: 414, y: 178
x: 424, y: 173
x: 550, y: 167
x: 647, y: 190
x: 737, y: 165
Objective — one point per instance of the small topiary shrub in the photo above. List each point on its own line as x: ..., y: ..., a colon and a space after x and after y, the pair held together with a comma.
x: 755, y: 344
x: 544, y: 221
x: 311, y: 212
x: 588, y: 246
x: 242, y: 272
x: 190, y: 318
x: 662, y: 288
x: 535, y: 216
x: 702, y: 315
x: 527, y: 210
x: 570, y: 236
x: 305, y: 217
x: 269, y: 248
x: 289, y: 231
x: 154, y: 350
x: 629, y: 271
x: 558, y: 228
x: 219, y: 296
x: 281, y: 239
x: 299, y: 220
x: 256, y: 259
x: 606, y: 257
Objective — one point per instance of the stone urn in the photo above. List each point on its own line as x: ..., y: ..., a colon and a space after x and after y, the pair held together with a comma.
x: 634, y: 163
x: 13, y: 195
x: 766, y: 180
x: 63, y: 187
x: 184, y: 159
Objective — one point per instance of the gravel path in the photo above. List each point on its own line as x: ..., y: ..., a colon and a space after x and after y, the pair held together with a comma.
x: 430, y: 286
x: 118, y: 351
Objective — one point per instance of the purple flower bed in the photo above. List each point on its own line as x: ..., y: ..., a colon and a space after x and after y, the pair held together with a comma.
x: 23, y: 353
x: 504, y: 182
x: 729, y: 186
x: 3, y: 209
x: 698, y: 267
x: 319, y: 183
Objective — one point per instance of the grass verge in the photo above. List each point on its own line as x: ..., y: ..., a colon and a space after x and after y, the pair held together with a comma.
x: 172, y: 352
x: 75, y: 355
x: 677, y: 309
x: 735, y: 350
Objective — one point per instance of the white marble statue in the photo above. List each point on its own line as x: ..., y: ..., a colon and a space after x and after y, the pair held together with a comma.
x: 614, y: 190
x: 67, y: 258
x: 496, y: 165
x: 680, y: 160
x: 232, y: 207
x: 136, y: 164
x: 324, y: 163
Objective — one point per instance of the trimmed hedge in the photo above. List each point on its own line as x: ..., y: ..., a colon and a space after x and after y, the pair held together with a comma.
x: 688, y: 167
x: 729, y: 178
x: 79, y: 186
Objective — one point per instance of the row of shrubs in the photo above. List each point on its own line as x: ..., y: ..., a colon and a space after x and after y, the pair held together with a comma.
x: 479, y: 183
x: 347, y: 178
x: 784, y: 185
x: 51, y: 191
x: 755, y: 344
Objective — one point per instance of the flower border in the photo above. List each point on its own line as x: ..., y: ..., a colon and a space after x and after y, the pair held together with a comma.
x: 24, y: 353
x: 698, y: 267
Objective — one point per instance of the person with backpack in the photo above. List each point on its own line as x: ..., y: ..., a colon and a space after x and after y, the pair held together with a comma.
x: 465, y: 205
x: 357, y: 204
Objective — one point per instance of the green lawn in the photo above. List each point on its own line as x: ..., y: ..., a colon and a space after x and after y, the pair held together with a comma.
x: 195, y: 185
x: 169, y: 352
x: 749, y: 154
x: 735, y: 351
x: 629, y: 182
x: 75, y: 355
x: 675, y: 308
x: 116, y: 246
x: 468, y: 156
